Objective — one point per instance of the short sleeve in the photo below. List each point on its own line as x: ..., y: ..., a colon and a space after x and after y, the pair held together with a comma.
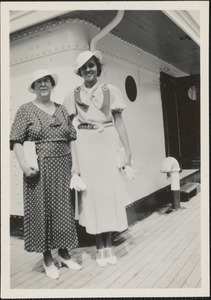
x: 72, y: 131
x: 117, y: 102
x: 69, y: 104
x: 18, y: 133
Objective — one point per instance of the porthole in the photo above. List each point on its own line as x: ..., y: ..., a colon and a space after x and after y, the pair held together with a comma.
x: 131, y: 88
x: 193, y: 92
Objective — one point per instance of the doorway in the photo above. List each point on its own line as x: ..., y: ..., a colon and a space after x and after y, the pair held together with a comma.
x: 181, y: 114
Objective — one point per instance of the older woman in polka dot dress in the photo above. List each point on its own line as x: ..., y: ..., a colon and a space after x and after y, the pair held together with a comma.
x: 48, y: 212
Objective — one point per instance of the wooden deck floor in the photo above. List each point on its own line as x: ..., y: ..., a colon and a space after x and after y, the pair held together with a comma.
x: 161, y: 251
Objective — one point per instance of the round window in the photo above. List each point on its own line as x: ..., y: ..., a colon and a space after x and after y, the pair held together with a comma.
x: 131, y: 89
x: 193, y: 92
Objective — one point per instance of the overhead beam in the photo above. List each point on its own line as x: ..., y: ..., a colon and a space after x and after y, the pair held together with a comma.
x: 187, y: 21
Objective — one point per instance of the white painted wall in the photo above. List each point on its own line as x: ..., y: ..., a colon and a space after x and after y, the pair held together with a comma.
x: 55, y: 46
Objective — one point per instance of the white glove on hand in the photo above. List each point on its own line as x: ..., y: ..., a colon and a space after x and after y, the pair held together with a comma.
x: 77, y: 183
x: 129, y: 172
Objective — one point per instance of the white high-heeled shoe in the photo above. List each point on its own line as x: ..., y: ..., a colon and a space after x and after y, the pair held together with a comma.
x: 110, y: 256
x: 51, y: 271
x: 70, y: 263
x: 100, y: 258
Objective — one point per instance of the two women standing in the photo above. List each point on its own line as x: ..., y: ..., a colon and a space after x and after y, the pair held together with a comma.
x: 48, y: 212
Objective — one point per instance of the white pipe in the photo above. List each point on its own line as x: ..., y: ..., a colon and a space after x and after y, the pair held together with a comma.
x: 106, y: 30
x: 175, y: 181
x: 171, y: 165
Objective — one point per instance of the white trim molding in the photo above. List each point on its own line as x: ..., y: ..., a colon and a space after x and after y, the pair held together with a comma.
x: 187, y: 21
x: 22, y: 19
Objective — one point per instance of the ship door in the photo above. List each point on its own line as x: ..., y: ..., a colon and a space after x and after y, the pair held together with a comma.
x: 181, y: 114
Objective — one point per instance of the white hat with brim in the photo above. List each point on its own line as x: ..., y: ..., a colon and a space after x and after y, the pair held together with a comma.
x: 83, y: 57
x: 39, y: 74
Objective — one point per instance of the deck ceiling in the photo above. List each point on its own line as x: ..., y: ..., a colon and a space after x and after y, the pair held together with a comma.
x: 151, y: 31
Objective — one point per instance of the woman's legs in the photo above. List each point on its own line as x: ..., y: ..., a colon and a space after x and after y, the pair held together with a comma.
x: 50, y: 269
x: 99, y: 241
x: 110, y: 255
x: 103, y: 240
x: 100, y: 257
x: 107, y: 239
x: 47, y: 258
x: 105, y: 250
x: 64, y: 253
x: 64, y: 258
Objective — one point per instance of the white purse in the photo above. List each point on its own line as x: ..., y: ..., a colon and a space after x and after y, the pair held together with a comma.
x: 30, y: 154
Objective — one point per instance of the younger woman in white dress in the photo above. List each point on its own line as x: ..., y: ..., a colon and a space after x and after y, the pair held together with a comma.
x: 98, y: 108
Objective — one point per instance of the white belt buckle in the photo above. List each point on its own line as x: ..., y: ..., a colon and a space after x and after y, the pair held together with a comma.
x: 100, y: 127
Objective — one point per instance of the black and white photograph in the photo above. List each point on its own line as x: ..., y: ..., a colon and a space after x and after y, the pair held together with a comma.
x: 105, y: 154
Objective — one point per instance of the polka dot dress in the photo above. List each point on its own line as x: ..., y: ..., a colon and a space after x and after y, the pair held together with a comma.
x: 48, y: 211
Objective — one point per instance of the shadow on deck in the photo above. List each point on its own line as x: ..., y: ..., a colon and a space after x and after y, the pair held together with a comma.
x: 161, y: 251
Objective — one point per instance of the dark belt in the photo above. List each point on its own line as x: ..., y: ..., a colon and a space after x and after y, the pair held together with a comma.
x: 95, y: 126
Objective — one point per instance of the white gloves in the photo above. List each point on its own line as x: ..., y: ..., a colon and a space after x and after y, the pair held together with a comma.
x: 129, y: 172
x: 77, y: 183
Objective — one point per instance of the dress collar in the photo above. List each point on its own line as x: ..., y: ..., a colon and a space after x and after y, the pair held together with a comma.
x: 89, y: 90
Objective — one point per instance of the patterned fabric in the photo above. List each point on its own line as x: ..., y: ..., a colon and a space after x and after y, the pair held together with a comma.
x: 48, y: 210
x: 28, y: 125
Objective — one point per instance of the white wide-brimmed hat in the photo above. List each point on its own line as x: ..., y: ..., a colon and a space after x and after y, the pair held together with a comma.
x: 39, y: 74
x: 84, y: 56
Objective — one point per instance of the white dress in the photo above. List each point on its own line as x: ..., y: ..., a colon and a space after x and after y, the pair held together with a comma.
x: 102, y: 204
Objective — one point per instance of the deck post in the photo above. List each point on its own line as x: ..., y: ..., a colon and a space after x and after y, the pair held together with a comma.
x: 175, y: 189
x: 175, y: 199
x: 171, y: 167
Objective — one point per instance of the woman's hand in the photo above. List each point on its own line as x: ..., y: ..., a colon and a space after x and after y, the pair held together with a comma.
x: 75, y: 170
x: 28, y: 171
x: 127, y: 159
x: 75, y: 167
x: 120, y: 127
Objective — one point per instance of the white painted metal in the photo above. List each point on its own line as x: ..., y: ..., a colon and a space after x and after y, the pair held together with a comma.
x: 55, y: 46
x: 20, y: 19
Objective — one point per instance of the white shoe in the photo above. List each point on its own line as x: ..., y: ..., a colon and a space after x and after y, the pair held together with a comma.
x: 100, y: 258
x: 70, y: 263
x: 51, y: 271
x: 110, y: 256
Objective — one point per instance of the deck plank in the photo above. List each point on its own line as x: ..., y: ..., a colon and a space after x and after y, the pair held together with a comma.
x: 157, y: 253
x: 132, y: 250
x: 161, y: 251
x: 199, y: 284
x: 173, y: 267
x: 140, y: 249
x: 194, y: 277
x: 94, y: 271
x: 150, y: 281
x: 181, y: 277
